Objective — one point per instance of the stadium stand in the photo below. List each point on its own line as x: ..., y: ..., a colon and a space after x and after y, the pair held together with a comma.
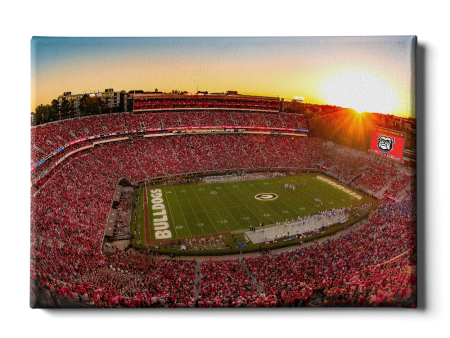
x: 371, y: 264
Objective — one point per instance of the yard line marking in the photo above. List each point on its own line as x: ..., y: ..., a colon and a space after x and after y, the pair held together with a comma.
x: 244, y: 205
x: 193, y: 211
x: 185, y: 221
x: 205, y: 211
x: 283, y: 201
x: 225, y: 208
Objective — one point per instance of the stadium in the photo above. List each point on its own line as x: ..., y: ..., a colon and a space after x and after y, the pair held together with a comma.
x: 218, y: 200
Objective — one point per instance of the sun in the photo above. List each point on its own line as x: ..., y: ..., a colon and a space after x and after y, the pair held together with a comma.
x: 360, y: 91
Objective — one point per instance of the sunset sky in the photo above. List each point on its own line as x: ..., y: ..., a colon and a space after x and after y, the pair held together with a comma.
x: 366, y: 74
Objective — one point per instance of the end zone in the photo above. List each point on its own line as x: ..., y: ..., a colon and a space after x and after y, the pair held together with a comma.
x: 340, y: 187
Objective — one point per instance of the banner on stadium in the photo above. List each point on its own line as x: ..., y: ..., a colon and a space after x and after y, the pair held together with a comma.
x: 77, y: 141
x: 230, y: 127
x: 387, y: 145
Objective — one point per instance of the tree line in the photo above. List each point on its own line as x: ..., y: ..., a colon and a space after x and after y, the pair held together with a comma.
x: 343, y: 126
x: 59, y: 111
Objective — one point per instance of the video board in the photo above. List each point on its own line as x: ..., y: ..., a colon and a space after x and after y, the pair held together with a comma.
x: 388, y: 143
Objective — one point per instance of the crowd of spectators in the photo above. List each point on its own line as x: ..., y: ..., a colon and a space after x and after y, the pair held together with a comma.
x: 343, y: 163
x: 49, y: 137
x: 121, y: 228
x: 147, y: 158
x: 339, y: 266
x: 225, y: 283
x: 371, y: 266
x: 397, y: 184
x: 71, y: 206
x: 410, y: 189
x: 372, y: 181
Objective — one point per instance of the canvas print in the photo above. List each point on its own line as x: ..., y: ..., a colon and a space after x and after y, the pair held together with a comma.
x: 223, y: 172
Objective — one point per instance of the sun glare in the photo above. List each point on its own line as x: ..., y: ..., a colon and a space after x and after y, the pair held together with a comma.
x: 360, y: 91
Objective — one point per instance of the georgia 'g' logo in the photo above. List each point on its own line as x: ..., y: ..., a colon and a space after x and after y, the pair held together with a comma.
x: 385, y: 143
x: 266, y: 197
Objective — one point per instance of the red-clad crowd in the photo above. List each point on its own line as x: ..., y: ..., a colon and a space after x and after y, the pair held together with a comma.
x: 372, y: 181
x: 400, y: 182
x: 71, y: 206
x: 334, y: 269
x: 225, y: 283
x: 49, y: 137
x: 371, y: 266
x: 146, y: 158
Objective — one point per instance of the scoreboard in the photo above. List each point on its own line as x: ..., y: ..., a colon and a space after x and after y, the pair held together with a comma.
x: 388, y: 143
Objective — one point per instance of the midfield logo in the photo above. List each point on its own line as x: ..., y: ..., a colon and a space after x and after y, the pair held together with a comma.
x: 266, y: 197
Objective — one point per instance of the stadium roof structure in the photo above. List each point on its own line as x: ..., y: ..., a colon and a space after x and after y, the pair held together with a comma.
x: 203, y: 95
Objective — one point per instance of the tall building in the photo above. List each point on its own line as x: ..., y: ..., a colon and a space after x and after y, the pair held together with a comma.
x: 109, y: 97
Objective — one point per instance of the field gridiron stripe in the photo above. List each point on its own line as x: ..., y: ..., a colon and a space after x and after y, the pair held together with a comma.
x: 181, y: 208
x: 224, y: 208
x: 244, y: 203
x: 195, y: 214
x: 289, y: 199
x: 237, y: 207
x: 215, y: 230
x: 171, y: 216
x: 259, y: 206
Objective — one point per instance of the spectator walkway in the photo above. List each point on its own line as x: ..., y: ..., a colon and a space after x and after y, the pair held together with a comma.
x: 198, y: 278
x: 251, y: 276
x: 291, y: 229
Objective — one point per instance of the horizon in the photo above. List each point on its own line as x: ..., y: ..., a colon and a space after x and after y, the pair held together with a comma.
x: 367, y: 74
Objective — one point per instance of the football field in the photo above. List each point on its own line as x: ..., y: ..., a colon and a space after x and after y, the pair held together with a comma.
x: 186, y: 211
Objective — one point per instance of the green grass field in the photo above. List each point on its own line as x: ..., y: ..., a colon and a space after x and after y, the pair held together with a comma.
x: 206, y: 209
x: 139, y: 212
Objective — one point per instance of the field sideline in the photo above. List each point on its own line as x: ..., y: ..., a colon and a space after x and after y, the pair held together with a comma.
x: 214, y: 208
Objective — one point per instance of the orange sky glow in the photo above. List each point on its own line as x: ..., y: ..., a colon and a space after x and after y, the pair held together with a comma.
x: 366, y: 74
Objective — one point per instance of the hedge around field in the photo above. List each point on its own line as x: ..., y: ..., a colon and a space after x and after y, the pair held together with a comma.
x: 256, y: 247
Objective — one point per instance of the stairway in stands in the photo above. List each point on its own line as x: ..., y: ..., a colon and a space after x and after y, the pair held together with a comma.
x: 251, y: 276
x: 198, y: 278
